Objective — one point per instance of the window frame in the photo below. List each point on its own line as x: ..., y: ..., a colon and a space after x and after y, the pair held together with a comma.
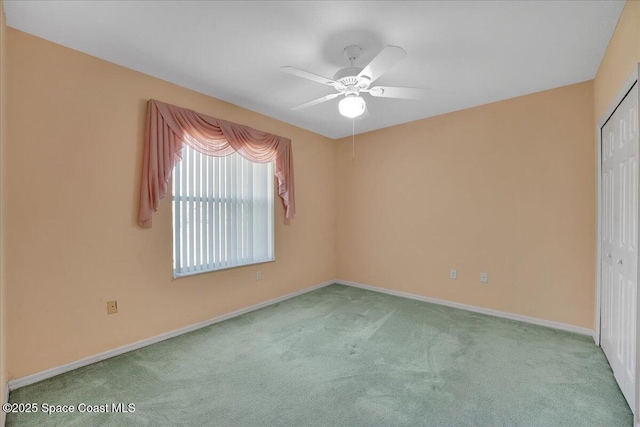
x: 212, y: 200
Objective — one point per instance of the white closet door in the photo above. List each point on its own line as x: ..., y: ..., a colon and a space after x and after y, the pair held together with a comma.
x: 620, y: 242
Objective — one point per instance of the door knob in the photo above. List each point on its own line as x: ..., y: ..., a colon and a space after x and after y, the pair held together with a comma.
x: 620, y: 261
x: 608, y: 255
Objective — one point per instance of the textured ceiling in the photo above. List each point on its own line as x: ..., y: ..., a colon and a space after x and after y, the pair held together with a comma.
x: 469, y: 53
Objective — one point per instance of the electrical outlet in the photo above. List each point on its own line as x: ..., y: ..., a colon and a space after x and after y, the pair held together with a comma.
x: 484, y: 277
x: 112, y: 307
x: 453, y: 274
x: 259, y: 275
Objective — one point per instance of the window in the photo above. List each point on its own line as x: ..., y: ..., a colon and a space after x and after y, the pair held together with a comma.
x: 222, y: 212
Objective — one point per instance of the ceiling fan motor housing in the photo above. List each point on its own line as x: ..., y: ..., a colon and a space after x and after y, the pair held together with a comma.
x: 349, y: 77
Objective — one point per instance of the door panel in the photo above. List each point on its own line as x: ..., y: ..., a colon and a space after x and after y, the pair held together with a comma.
x: 620, y: 242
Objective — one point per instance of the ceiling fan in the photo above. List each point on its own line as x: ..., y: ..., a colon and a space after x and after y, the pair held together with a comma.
x: 353, y: 81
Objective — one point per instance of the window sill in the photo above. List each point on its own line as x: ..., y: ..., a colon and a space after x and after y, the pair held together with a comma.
x: 231, y: 267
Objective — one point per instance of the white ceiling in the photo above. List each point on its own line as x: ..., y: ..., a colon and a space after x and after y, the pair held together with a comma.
x: 469, y: 53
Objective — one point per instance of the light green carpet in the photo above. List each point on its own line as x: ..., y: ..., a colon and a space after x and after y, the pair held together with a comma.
x: 343, y: 356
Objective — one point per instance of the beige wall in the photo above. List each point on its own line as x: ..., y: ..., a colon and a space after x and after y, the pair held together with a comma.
x: 3, y: 112
x: 75, y: 144
x: 506, y: 188
x: 621, y: 56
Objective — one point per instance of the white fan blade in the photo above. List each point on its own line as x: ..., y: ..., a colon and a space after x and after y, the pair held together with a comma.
x: 398, y: 92
x: 309, y: 76
x: 315, y: 101
x: 383, y: 62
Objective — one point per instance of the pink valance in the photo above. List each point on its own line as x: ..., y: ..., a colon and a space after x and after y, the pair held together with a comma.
x: 168, y: 127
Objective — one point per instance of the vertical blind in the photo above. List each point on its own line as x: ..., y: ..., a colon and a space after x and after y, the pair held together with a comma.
x: 222, y: 212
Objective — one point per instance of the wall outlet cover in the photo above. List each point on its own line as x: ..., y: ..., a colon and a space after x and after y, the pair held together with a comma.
x: 112, y: 307
x: 453, y: 274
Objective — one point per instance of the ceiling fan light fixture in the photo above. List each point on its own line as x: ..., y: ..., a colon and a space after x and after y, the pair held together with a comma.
x: 352, y: 106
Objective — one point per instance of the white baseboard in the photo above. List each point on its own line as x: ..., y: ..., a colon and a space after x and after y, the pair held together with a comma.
x: 490, y: 312
x: 49, y: 373
x: 43, y: 375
